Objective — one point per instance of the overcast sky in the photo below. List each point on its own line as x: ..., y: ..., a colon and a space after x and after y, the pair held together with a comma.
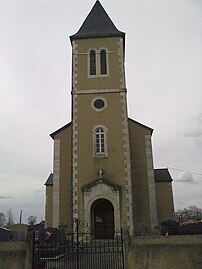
x: 164, y: 82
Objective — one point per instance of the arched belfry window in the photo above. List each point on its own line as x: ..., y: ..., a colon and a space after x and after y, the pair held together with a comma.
x: 103, y: 62
x: 92, y: 62
x: 100, y: 141
x: 98, y: 63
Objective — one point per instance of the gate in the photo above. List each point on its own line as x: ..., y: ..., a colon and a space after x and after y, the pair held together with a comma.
x: 77, y: 251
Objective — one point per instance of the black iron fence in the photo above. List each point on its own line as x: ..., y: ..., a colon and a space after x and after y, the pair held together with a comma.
x: 61, y: 250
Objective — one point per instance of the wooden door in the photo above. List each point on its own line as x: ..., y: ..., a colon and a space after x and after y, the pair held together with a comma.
x: 103, y: 219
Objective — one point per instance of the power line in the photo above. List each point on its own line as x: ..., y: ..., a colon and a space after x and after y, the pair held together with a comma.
x: 184, y: 171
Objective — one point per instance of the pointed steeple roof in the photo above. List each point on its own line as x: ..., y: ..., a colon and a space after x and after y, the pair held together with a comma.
x: 97, y: 24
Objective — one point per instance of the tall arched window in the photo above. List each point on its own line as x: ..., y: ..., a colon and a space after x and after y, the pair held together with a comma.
x: 103, y: 62
x: 99, y: 140
x: 100, y: 144
x: 92, y: 62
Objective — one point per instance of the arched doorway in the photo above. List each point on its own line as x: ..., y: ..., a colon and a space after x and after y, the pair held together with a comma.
x: 102, y: 214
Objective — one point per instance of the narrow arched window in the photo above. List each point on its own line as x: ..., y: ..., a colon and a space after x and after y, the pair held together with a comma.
x: 100, y: 143
x: 103, y: 62
x: 92, y: 62
x: 100, y: 140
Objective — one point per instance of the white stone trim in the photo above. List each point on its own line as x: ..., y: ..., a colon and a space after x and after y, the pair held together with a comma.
x: 121, y: 63
x: 127, y: 164
x: 126, y: 145
x: 56, y: 183
x: 99, y: 109
x: 97, y: 91
x: 74, y: 160
x: 74, y: 133
x: 74, y: 64
x: 102, y: 191
x: 151, y: 182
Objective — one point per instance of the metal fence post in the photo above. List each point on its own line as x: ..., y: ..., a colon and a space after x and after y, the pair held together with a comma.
x: 77, y: 244
x: 32, y: 248
x: 122, y: 249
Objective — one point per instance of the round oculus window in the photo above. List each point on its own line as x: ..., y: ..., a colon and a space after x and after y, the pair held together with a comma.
x: 99, y: 103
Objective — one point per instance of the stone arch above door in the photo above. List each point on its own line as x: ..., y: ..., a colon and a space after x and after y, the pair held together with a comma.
x: 102, y: 189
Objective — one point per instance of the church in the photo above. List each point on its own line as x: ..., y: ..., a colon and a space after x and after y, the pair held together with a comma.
x: 103, y: 170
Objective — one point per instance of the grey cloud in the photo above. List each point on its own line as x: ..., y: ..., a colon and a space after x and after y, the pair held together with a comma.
x: 194, y: 134
x: 40, y: 190
x: 199, y: 118
x: 195, y: 127
x: 186, y: 178
x: 5, y: 197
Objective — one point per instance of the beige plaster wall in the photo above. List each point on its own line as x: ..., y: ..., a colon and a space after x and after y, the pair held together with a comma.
x: 109, y: 82
x: 141, y: 212
x: 113, y: 164
x: 65, y: 196
x: 165, y: 206
x: 111, y: 119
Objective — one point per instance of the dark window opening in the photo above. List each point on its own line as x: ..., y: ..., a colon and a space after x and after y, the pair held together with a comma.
x: 92, y: 62
x: 99, y: 103
x: 103, y: 62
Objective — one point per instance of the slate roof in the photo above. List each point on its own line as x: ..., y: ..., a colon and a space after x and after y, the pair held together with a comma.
x: 49, y: 181
x: 60, y: 130
x: 140, y: 124
x: 162, y: 175
x: 97, y: 24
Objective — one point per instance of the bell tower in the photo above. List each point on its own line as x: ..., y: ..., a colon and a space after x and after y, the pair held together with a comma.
x: 101, y: 168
